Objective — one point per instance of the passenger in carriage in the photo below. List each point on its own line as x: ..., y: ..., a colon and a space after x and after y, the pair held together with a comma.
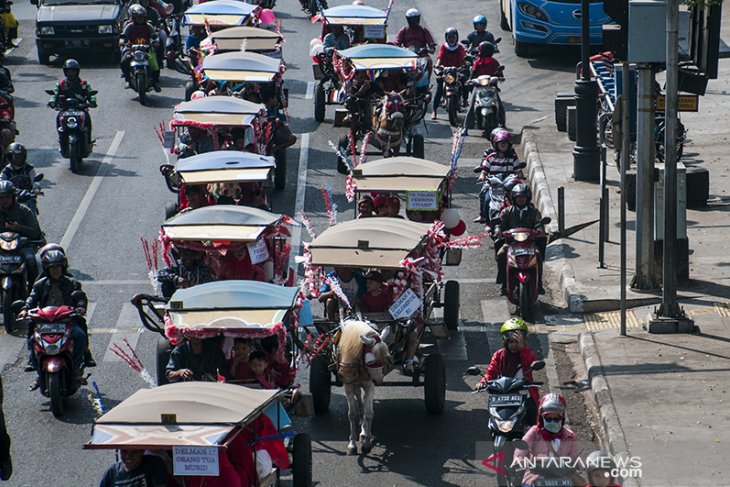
x: 189, y: 270
x: 282, y: 372
x: 239, y: 365
x: 378, y: 298
x: 197, y: 359
x: 365, y: 208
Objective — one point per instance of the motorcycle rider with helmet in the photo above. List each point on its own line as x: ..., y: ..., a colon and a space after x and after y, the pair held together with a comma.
x: 72, y: 86
x: 521, y: 214
x: 485, y: 64
x: 139, y: 31
x: 20, y: 173
x: 514, y: 360
x: 57, y: 288
x: 549, y: 437
x: 451, y: 54
x: 417, y: 37
x: 19, y: 219
x: 479, y: 34
x: 599, y: 468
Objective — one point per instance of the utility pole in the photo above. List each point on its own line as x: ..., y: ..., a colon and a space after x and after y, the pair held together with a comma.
x: 670, y: 317
x: 644, y: 276
x: 586, y: 157
x: 625, y: 158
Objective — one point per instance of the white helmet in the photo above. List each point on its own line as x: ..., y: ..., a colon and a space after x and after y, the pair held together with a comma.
x: 412, y: 12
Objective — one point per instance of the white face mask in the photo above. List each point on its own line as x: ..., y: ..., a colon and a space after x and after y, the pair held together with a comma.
x: 553, y: 426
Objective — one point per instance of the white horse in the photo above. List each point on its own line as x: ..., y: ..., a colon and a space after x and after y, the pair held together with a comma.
x: 361, y: 356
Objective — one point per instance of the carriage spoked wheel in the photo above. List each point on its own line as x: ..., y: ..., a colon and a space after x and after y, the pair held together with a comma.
x: 302, y: 460
x: 320, y: 384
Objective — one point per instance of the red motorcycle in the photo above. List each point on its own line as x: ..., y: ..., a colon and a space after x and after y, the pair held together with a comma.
x: 523, y: 269
x: 59, y: 376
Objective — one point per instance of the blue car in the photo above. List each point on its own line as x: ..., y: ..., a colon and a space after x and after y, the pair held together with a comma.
x: 549, y: 22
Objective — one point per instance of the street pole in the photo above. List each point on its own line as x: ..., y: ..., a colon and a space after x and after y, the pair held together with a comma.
x: 625, y: 148
x: 670, y: 317
x: 586, y: 165
x: 644, y: 276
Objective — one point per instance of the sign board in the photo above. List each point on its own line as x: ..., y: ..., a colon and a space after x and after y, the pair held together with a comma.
x: 407, y: 304
x: 374, y: 31
x: 422, y: 200
x: 169, y: 140
x: 195, y: 460
x: 258, y: 252
x: 685, y: 102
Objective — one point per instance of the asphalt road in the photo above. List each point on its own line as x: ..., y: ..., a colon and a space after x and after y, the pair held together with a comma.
x: 119, y: 196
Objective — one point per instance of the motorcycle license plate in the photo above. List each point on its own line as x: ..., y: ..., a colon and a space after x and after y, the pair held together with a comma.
x: 11, y: 259
x: 51, y: 328
x: 525, y: 251
x: 562, y: 482
x: 505, y: 400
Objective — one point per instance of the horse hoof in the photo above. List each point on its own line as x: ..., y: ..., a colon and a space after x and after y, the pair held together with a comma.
x: 365, y: 449
x: 352, y: 450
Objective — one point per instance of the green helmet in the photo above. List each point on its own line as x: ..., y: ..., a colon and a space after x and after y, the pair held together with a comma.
x: 513, y: 325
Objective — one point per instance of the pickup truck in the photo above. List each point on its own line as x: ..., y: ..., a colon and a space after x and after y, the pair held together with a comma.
x: 67, y: 26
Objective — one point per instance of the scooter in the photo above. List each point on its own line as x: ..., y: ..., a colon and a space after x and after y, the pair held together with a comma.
x: 523, y: 270
x: 495, y: 189
x: 74, y: 138
x: 52, y: 345
x: 508, y: 422
x: 13, y: 274
x: 488, y: 107
x: 139, y: 70
x: 454, y: 79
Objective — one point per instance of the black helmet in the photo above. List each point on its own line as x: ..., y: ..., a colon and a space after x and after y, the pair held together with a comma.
x: 486, y: 49
x: 138, y: 12
x: 54, y: 257
x: 521, y: 190
x: 7, y: 188
x: 71, y: 64
x: 451, y: 31
x: 49, y: 247
x: 17, y: 149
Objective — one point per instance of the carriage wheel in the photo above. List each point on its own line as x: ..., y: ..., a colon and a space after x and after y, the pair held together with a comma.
x: 170, y: 210
x: 302, y: 461
x: 164, y: 348
x: 417, y: 147
x: 343, y: 143
x: 320, y: 384
x: 280, y: 170
x: 434, y: 387
x: 451, y: 305
x: 319, y: 102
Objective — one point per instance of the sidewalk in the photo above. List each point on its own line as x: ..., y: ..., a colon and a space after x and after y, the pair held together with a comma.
x: 661, y: 398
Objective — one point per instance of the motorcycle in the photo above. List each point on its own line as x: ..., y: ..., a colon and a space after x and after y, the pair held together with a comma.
x: 508, y: 422
x: 454, y: 79
x: 74, y: 138
x: 140, y: 74
x: 523, y: 270
x: 174, y: 44
x: 13, y: 273
x: 494, y: 191
x: 59, y: 375
x: 488, y: 106
x: 313, y: 6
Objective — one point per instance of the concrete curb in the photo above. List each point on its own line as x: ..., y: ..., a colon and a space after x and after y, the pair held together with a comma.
x: 541, y: 195
x: 612, y: 432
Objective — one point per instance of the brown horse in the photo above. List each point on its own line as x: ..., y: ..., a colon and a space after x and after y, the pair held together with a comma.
x: 361, y: 356
x: 388, y: 124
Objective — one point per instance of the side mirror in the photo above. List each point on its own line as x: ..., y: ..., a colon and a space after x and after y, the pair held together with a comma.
x: 546, y: 220
x: 17, y: 306
x: 34, y: 2
x: 537, y: 365
x: 50, y: 92
x: 520, y: 445
x: 78, y: 294
x: 93, y: 92
x: 497, y: 40
x: 520, y: 165
x: 38, y: 177
x: 465, y: 42
x: 474, y: 370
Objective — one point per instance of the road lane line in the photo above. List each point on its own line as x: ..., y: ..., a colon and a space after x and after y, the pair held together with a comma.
x: 310, y: 91
x: 93, y: 187
x: 296, y: 238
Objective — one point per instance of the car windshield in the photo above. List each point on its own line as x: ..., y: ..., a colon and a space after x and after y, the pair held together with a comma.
x: 54, y: 3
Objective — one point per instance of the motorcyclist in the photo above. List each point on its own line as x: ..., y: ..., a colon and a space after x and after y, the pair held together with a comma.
x: 337, y: 39
x: 514, y: 360
x: 416, y: 37
x: 599, y: 468
x: 485, y: 64
x: 156, y: 17
x: 502, y: 158
x: 451, y: 54
x: 520, y: 215
x: 72, y: 86
x: 19, y: 219
x: 139, y: 31
x: 479, y: 34
x: 549, y: 437
x: 20, y: 173
x: 57, y: 288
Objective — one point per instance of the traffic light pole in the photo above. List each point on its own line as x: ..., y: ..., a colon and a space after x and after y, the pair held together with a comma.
x: 586, y: 157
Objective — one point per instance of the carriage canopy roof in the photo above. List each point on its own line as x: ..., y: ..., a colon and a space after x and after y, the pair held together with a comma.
x: 220, y: 223
x: 241, y: 66
x: 225, y: 166
x: 380, y: 56
x: 354, y: 15
x: 179, y: 414
x: 217, y: 110
x: 220, y: 12
x: 398, y: 174
x: 231, y: 39
x: 368, y: 242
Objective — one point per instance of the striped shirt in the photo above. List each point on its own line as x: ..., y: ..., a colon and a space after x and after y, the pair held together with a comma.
x: 495, y: 163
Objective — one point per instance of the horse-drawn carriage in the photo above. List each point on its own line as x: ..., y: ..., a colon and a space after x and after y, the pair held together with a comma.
x: 363, y: 24
x: 409, y: 257
x: 383, y: 104
x: 234, y: 39
x: 232, y: 177
x: 219, y: 116
x: 207, y: 429
x: 219, y: 14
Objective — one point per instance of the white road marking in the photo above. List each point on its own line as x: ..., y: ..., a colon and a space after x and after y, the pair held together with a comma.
x: 296, y: 238
x: 93, y: 187
x: 128, y: 328
x: 310, y: 91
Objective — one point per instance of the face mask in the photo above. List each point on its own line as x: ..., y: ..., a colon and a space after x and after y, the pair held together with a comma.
x: 553, y: 426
